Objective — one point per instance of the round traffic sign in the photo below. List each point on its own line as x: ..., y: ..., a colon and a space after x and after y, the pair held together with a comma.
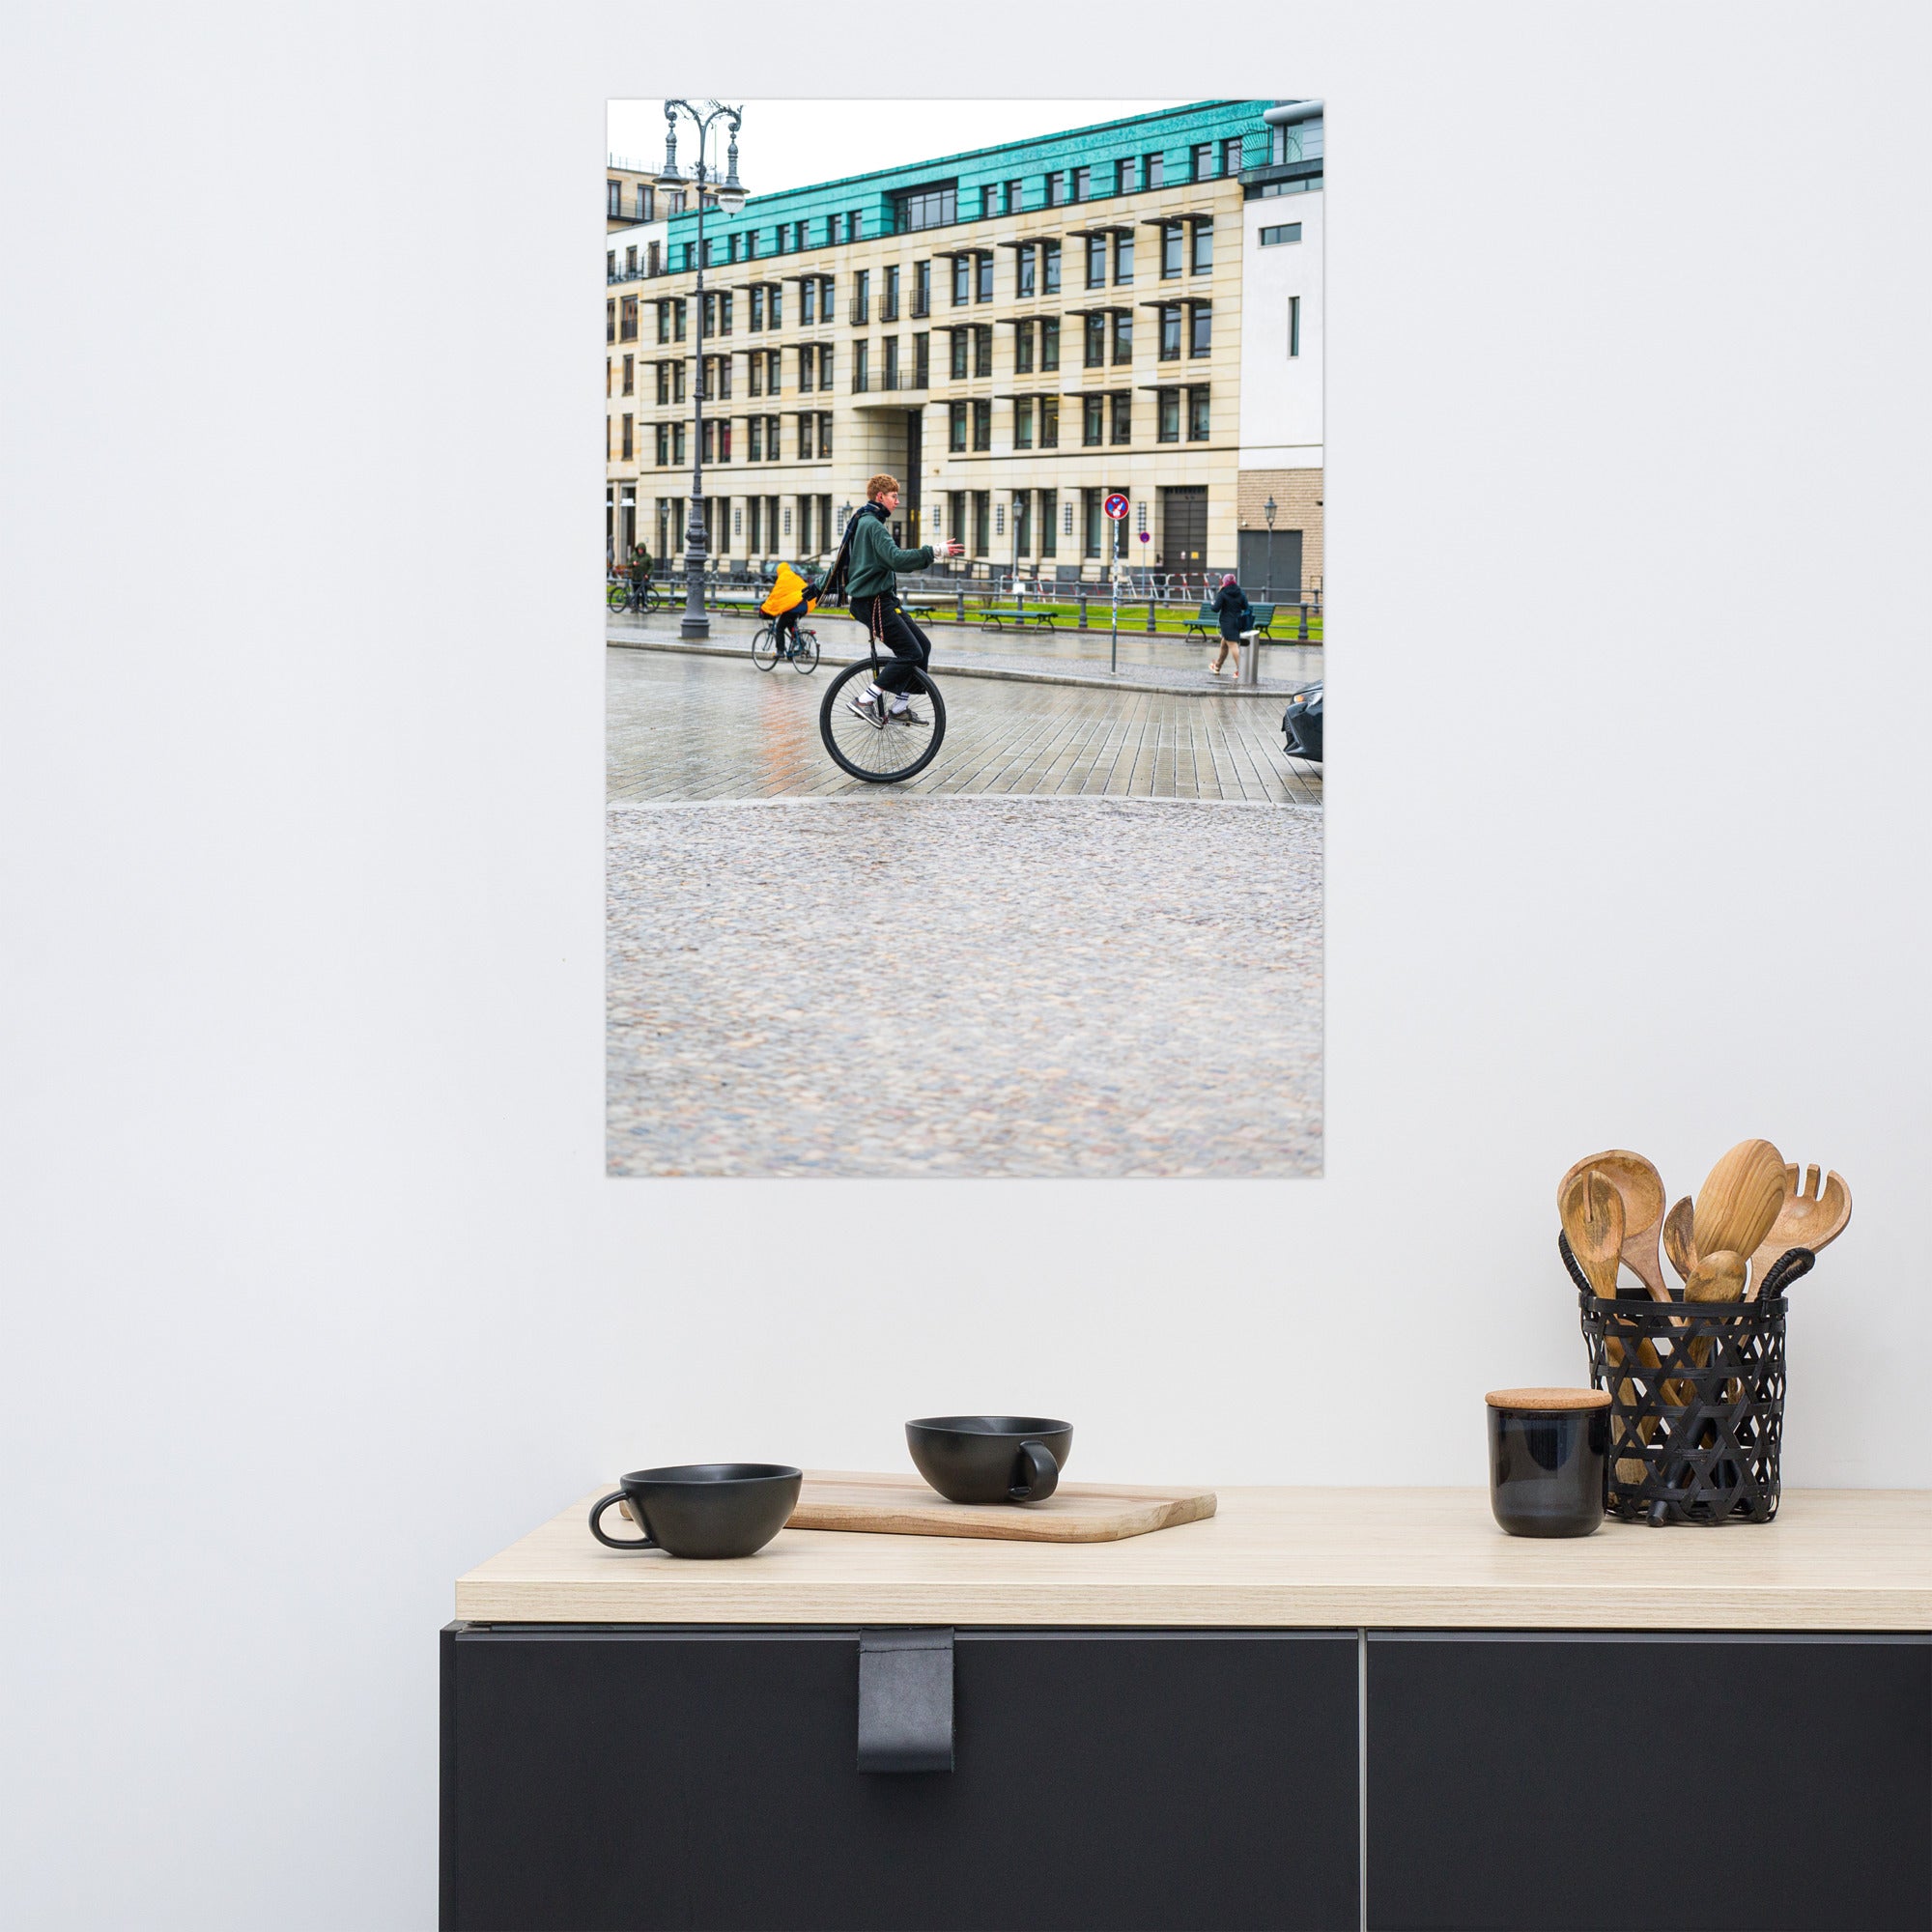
x: 1116, y: 506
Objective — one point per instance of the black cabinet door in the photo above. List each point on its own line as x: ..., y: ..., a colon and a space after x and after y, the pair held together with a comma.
x: 1572, y: 1782
x: 603, y: 1779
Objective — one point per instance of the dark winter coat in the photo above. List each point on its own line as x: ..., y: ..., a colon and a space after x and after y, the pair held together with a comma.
x: 1234, y: 611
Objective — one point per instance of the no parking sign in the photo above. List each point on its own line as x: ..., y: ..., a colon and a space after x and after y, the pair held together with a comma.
x: 1116, y: 506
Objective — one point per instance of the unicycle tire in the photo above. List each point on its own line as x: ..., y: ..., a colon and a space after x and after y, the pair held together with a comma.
x: 881, y: 753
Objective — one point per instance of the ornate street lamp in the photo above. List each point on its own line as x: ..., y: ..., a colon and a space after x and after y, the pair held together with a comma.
x: 729, y: 197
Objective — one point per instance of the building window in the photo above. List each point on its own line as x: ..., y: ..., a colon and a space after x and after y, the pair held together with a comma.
x: 921, y: 362
x: 1049, y: 344
x: 664, y: 444
x: 982, y: 285
x: 1096, y: 261
x: 982, y: 424
x: 1151, y: 169
x: 892, y: 367
x: 1202, y: 158
x: 1197, y: 415
x: 862, y: 367
x: 963, y: 279
x: 1123, y: 335
x: 862, y: 297
x: 1170, y: 332
x: 1203, y: 247
x: 955, y: 426
x: 1096, y: 342
x: 1023, y: 422
x: 629, y: 367
x: 1273, y: 237
x: 1122, y: 427
x: 1201, y: 333
x: 1295, y: 324
x: 628, y: 420
x: 983, y: 349
x: 1023, y: 268
x: 888, y: 308
x: 1083, y: 184
x: 1170, y: 249
x: 613, y: 200
x: 1049, y: 267
x: 1169, y: 429
x: 1023, y: 349
x: 1092, y: 419
x: 933, y: 207
x: 1049, y: 520
x: 921, y: 290
x: 610, y: 319
x: 1049, y: 422
x: 959, y: 337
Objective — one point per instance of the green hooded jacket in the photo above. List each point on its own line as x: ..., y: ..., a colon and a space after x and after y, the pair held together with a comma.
x: 875, y: 556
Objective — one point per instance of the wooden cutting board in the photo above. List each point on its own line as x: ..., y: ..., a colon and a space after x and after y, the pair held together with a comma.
x: 1076, y: 1513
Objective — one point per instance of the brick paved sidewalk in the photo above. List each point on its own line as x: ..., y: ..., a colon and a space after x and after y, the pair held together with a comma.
x: 950, y: 987
x: 1159, y: 664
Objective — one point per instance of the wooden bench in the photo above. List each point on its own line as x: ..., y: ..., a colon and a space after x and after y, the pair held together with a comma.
x: 999, y: 620
x: 1207, y: 623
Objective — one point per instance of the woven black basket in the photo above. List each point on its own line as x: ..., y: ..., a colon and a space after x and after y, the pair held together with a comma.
x: 1696, y: 1401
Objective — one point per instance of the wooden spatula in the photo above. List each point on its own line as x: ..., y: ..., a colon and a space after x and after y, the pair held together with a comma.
x: 1641, y: 1190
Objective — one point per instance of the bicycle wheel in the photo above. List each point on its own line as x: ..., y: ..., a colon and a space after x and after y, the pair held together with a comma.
x: 618, y: 596
x: 805, y: 660
x: 876, y: 749
x: 765, y: 648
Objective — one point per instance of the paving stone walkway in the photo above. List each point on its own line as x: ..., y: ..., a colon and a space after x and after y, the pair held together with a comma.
x: 685, y: 727
x: 959, y: 987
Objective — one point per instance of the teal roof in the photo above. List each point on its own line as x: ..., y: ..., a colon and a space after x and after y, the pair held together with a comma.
x: 1170, y: 132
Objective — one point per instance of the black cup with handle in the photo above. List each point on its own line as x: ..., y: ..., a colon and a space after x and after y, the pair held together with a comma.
x: 702, y: 1509
x: 990, y: 1459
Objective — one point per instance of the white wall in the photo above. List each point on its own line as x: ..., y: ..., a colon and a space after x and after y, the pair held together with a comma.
x: 1281, y: 394
x: 316, y: 1293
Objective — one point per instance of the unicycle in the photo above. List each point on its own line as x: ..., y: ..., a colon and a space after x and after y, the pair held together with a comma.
x: 866, y: 740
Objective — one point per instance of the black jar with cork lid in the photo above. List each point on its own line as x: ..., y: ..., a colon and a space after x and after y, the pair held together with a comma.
x: 1548, y: 1458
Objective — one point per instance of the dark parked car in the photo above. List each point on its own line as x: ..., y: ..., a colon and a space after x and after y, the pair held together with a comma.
x: 1301, y: 724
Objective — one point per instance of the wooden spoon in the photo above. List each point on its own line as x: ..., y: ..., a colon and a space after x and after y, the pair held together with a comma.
x: 1679, y: 1238
x: 1739, y: 1200
x: 1593, y: 1218
x: 1809, y: 1217
x: 1641, y: 1188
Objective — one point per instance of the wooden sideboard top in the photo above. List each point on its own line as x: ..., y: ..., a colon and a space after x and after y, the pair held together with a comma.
x: 1835, y: 1560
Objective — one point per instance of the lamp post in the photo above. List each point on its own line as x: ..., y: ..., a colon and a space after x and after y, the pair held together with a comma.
x: 729, y: 196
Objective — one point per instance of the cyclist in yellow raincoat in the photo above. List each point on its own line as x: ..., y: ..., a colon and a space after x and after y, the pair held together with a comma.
x: 791, y: 598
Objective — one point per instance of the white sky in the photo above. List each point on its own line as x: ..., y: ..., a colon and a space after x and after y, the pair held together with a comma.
x: 796, y: 143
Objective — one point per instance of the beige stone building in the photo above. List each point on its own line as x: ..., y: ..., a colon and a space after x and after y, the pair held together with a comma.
x: 1012, y: 369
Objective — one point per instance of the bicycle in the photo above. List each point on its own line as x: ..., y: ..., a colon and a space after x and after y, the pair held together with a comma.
x: 802, y: 653
x: 881, y: 748
x: 624, y: 595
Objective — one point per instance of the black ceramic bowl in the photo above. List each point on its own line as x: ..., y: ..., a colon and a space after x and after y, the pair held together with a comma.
x: 703, y: 1509
x: 1549, y: 1460
x: 990, y: 1459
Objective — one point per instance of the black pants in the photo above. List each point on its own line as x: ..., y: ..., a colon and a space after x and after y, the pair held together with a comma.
x: 899, y: 635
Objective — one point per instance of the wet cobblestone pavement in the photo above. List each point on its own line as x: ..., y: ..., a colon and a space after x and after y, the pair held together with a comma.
x: 681, y: 727
x: 964, y: 986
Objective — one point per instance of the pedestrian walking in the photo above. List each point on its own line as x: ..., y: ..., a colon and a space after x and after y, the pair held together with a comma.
x: 1236, y: 618
x: 866, y: 567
